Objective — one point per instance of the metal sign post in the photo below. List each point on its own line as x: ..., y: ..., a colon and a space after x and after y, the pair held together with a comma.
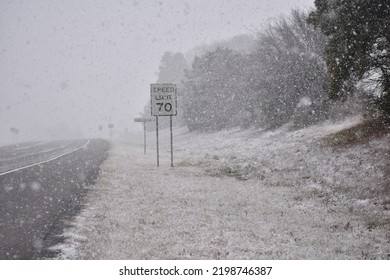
x: 144, y: 121
x: 144, y: 138
x: 15, y: 133
x: 170, y: 122
x: 158, y: 154
x: 163, y: 103
x: 100, y: 130
x: 111, y: 126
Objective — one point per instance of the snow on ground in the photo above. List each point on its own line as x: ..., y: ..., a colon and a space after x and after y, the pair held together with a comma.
x: 238, y: 194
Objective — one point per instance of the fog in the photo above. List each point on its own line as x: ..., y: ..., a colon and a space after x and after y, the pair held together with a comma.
x: 67, y: 67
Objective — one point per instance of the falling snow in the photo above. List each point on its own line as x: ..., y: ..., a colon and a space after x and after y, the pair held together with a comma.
x: 233, y: 195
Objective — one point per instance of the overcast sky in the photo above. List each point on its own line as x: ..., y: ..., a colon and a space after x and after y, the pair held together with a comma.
x: 76, y: 64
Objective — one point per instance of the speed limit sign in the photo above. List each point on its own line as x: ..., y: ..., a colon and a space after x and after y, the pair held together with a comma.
x: 163, y: 99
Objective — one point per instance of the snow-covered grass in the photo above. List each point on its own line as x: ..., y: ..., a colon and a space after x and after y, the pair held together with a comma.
x: 239, y: 194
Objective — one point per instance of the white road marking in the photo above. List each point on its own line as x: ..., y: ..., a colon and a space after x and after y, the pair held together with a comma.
x: 45, y: 161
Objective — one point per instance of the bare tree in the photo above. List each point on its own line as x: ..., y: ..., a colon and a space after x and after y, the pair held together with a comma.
x: 290, y: 71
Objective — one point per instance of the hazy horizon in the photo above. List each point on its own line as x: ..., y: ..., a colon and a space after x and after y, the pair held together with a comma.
x: 69, y: 66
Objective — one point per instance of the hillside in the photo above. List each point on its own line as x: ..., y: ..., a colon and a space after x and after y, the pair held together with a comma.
x: 240, y: 194
x: 345, y: 162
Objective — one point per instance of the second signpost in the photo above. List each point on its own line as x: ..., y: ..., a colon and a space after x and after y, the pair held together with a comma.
x: 163, y: 103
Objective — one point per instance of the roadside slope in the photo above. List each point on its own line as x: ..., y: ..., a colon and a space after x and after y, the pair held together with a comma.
x: 235, y: 195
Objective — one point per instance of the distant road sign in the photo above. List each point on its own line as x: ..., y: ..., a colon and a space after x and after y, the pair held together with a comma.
x: 142, y: 119
x: 163, y: 99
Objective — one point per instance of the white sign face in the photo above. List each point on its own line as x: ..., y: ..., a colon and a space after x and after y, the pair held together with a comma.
x: 163, y: 99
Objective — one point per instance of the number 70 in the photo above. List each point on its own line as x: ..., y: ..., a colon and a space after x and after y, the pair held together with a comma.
x: 167, y: 106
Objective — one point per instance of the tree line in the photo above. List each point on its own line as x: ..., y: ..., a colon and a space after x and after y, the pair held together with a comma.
x: 296, y: 70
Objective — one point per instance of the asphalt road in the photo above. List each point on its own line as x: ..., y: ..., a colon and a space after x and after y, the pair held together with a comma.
x: 36, y: 198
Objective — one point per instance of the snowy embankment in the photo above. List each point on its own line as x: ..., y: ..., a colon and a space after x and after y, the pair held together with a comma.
x: 238, y: 194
